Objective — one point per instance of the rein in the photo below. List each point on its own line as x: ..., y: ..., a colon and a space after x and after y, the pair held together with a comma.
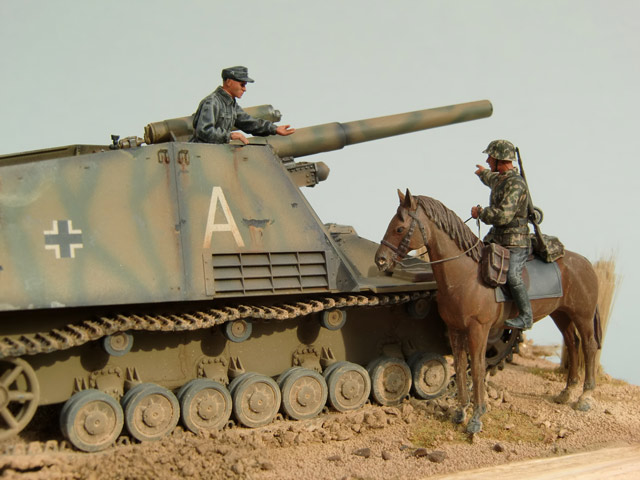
x: 402, y: 249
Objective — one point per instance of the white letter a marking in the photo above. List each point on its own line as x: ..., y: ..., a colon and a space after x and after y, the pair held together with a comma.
x: 217, y: 196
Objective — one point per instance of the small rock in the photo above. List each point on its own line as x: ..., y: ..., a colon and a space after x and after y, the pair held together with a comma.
x: 563, y: 433
x: 288, y: 438
x: 509, y: 426
x: 267, y: 466
x: 506, y: 397
x: 608, y: 412
x: 411, y: 418
x: 386, y: 455
x: 334, y: 458
x: 358, y: 417
x: 421, y: 452
x: 188, y: 471
x: 437, y: 457
x: 221, y: 450
x: 498, y: 447
x: 370, y: 419
x: 407, y: 409
x: 546, y: 423
x: 492, y: 392
x: 202, y: 448
x: 343, y: 435
x: 237, y: 468
x: 363, y: 452
x: 391, y: 411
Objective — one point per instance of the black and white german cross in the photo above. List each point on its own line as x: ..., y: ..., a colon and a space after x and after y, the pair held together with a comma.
x: 63, y: 239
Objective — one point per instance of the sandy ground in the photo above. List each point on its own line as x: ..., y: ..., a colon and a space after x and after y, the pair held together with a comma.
x: 413, y: 440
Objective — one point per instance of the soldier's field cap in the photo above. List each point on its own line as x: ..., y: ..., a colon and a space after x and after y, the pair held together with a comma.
x: 501, y: 150
x: 239, y: 73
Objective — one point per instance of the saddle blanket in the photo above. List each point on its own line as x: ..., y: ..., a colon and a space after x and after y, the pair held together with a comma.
x: 543, y: 280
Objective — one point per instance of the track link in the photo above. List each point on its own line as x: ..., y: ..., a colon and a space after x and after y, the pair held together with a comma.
x: 74, y: 335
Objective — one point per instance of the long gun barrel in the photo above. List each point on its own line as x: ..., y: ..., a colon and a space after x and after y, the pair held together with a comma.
x: 334, y: 136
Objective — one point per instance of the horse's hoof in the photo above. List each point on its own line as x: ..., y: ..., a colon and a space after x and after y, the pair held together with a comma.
x: 563, y: 397
x: 474, y: 426
x: 459, y: 416
x: 584, y: 404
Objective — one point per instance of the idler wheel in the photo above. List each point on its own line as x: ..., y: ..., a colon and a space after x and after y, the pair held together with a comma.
x: 205, y: 405
x: 118, y: 344
x: 238, y: 330
x: 333, y: 319
x: 256, y: 400
x: 430, y: 374
x: 150, y: 411
x: 390, y: 380
x: 349, y: 386
x: 91, y: 420
x: 304, y: 393
x: 19, y: 396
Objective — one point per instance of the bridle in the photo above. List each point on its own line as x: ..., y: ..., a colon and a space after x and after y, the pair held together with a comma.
x: 402, y: 249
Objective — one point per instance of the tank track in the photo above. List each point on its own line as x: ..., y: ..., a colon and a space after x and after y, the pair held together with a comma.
x: 74, y: 335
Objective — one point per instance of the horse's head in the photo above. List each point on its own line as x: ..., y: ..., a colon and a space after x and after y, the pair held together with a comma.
x: 401, y: 236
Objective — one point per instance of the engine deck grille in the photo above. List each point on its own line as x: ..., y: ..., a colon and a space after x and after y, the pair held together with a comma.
x: 270, y: 272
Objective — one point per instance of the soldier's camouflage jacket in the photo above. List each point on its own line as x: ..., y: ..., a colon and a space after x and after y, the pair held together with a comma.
x: 219, y: 113
x: 507, y: 210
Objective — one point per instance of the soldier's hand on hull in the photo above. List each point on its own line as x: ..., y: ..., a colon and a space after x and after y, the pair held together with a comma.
x: 239, y: 136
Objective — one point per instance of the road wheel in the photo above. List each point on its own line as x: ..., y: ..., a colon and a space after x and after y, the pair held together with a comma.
x: 349, y: 387
x: 304, y: 393
x: 256, y: 400
x: 150, y: 411
x: 91, y: 420
x: 390, y: 380
x: 430, y: 375
x: 205, y: 405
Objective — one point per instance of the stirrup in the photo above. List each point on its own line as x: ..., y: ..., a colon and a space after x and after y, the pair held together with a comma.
x: 519, y: 323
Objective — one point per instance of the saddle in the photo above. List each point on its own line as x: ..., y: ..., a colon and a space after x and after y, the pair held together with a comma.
x: 540, y: 275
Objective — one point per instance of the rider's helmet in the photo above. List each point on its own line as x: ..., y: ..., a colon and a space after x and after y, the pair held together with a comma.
x: 501, y: 150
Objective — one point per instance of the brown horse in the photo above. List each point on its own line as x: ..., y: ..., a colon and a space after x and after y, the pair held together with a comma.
x: 469, y: 307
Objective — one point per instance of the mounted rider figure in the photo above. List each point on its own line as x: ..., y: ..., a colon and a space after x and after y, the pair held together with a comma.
x: 507, y: 214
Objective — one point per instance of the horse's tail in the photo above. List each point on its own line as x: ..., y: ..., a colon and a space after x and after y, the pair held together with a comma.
x: 597, y: 327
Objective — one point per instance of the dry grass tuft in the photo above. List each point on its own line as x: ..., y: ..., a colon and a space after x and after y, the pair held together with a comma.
x: 608, y: 282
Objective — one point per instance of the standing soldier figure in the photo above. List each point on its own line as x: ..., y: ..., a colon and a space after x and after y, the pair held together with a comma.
x: 507, y: 213
x: 219, y: 113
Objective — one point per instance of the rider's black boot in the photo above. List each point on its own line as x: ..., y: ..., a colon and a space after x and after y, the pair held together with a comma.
x: 524, y: 321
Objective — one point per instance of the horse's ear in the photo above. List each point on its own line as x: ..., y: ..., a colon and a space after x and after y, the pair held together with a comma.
x: 401, y: 196
x: 408, y: 200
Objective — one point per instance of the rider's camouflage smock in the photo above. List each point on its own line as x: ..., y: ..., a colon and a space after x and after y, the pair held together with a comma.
x: 507, y: 210
x: 219, y: 113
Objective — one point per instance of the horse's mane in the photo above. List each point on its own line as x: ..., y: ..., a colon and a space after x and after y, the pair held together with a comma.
x: 452, y: 225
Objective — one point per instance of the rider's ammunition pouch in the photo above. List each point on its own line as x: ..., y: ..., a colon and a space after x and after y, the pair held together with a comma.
x: 494, y: 265
x: 552, y: 250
